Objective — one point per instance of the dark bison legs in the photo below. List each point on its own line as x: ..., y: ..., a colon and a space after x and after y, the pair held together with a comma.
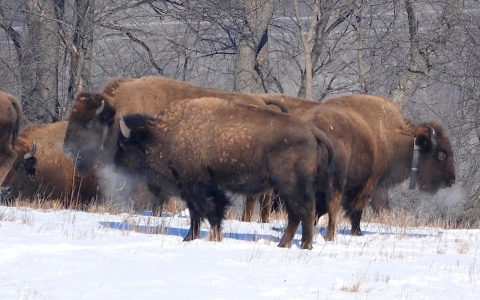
x: 195, y: 221
x: 265, y: 201
x: 205, y: 201
x: 355, y: 218
x: 248, y: 209
x: 265, y: 207
x: 356, y: 207
x: 300, y: 206
x: 216, y: 216
x: 332, y: 208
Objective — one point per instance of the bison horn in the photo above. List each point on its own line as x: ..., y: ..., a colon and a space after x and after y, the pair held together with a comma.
x: 32, y: 152
x: 124, y: 128
x: 100, y: 109
x: 433, y: 136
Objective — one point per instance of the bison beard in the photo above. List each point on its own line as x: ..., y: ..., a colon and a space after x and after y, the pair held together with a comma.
x: 202, y: 148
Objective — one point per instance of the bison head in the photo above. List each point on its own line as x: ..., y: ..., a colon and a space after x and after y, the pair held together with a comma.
x: 23, y: 168
x: 131, y: 153
x: 435, y: 164
x: 91, y: 132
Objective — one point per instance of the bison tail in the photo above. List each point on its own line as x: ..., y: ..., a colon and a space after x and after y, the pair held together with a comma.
x: 323, y: 139
x: 278, y: 103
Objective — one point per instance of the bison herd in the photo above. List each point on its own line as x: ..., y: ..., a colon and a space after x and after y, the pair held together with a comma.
x: 175, y: 139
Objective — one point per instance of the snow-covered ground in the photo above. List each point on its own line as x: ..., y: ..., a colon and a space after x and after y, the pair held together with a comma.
x: 67, y: 254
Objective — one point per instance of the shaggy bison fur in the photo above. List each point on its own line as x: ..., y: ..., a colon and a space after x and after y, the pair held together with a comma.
x: 199, y: 149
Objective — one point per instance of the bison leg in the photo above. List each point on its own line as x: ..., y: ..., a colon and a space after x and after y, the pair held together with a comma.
x: 287, y: 238
x: 215, y: 234
x: 195, y: 221
x: 300, y: 209
x: 322, y: 206
x: 248, y: 209
x: 265, y: 201
x: 216, y: 215
x: 265, y: 207
x: 379, y: 201
x: 359, y: 203
x: 332, y: 208
x: 355, y: 218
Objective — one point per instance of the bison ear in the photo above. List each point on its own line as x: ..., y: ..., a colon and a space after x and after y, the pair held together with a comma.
x: 425, y: 138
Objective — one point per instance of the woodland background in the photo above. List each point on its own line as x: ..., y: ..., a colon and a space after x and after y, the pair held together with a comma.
x: 425, y: 55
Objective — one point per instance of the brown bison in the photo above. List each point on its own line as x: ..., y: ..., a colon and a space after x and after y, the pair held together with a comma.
x: 201, y: 148
x: 152, y: 94
x: 10, y: 117
x: 42, y: 170
x: 376, y: 148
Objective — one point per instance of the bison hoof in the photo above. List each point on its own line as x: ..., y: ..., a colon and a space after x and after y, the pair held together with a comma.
x: 307, y: 246
x: 215, y: 238
x: 284, y: 245
x: 329, y: 237
x: 188, y: 238
x: 356, y: 233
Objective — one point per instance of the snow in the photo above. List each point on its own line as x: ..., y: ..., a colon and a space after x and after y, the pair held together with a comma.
x: 68, y: 254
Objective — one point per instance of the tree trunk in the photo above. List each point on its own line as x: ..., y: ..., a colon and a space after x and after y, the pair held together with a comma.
x: 80, y: 49
x: 360, y: 38
x: 307, y: 38
x: 39, y: 68
x: 421, y: 60
x: 251, y: 61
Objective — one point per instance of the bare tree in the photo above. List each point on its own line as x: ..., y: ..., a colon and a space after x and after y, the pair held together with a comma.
x: 251, y: 62
x: 423, y: 55
x: 303, y: 39
x: 38, y: 55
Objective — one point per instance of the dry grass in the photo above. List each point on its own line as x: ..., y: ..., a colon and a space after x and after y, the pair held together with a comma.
x: 358, y: 285
x: 404, y: 219
x: 400, y: 221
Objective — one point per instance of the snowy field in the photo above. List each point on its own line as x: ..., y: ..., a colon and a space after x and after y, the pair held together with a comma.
x: 67, y: 254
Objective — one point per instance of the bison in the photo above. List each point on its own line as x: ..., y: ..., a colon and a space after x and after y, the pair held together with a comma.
x: 376, y: 148
x: 152, y: 94
x: 41, y: 169
x: 10, y: 117
x: 199, y: 149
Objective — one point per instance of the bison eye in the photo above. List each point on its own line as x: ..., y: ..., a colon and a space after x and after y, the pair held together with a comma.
x: 441, y: 156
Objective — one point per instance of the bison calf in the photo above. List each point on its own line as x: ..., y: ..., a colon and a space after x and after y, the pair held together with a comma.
x: 201, y: 148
